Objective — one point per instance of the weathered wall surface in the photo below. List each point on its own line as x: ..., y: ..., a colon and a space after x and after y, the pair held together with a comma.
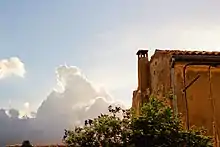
x: 136, y: 101
x: 215, y: 86
x: 202, y: 96
x: 160, y: 75
x: 178, y: 84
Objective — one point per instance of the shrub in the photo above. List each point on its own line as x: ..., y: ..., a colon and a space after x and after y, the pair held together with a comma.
x: 156, y: 126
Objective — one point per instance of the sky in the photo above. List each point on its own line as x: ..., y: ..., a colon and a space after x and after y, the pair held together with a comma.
x: 98, y: 37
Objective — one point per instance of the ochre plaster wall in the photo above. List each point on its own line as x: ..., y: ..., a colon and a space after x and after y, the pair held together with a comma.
x: 203, y: 102
x: 215, y: 84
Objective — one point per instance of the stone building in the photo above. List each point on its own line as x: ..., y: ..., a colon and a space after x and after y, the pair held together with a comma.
x: 193, y: 77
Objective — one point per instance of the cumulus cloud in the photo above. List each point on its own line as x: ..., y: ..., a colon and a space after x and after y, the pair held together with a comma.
x: 11, y: 66
x: 73, y: 100
x: 26, y: 105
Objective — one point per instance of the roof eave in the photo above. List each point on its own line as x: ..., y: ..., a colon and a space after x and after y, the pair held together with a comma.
x: 196, y: 58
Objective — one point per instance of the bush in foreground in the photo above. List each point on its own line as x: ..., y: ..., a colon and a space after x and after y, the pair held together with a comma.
x: 154, y: 127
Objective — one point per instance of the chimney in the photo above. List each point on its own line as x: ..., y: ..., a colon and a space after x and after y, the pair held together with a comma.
x: 143, y: 71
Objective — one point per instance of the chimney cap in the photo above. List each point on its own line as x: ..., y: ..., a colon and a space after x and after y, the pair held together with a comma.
x: 143, y: 52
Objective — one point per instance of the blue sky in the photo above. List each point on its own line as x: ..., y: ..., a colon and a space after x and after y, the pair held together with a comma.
x: 100, y: 37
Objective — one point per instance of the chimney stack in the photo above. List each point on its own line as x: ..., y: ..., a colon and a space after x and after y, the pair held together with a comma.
x: 143, y: 71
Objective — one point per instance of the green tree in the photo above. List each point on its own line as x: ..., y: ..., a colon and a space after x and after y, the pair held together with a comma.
x: 154, y: 127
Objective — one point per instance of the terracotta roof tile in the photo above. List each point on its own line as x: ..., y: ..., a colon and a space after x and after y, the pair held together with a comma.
x: 179, y: 52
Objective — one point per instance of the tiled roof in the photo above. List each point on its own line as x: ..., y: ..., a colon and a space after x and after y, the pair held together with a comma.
x: 179, y: 52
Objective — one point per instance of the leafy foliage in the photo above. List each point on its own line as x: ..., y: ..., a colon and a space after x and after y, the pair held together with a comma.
x: 156, y: 126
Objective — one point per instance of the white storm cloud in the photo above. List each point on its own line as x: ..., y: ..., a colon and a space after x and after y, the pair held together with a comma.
x: 12, y: 67
x: 73, y: 100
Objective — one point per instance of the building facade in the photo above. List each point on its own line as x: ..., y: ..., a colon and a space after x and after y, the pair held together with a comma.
x: 193, y: 77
